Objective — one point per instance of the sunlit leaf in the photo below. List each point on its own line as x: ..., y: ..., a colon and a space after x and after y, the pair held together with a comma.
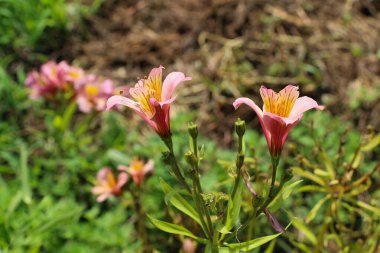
x: 328, y: 163
x: 174, y: 229
x: 311, y: 188
x: 24, y: 176
x: 306, y: 174
x: 372, y: 144
x: 316, y: 208
x: 305, y: 230
x: 179, y: 202
x: 283, y: 195
x: 252, y: 244
x: 233, y: 208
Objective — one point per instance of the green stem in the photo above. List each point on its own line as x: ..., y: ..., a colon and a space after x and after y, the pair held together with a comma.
x: 198, y: 187
x: 198, y: 205
x: 271, y: 196
x: 269, y: 199
x: 176, y: 170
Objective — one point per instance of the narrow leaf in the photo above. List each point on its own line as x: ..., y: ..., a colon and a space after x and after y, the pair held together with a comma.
x: 372, y: 143
x: 174, y: 229
x: 316, y: 208
x: 179, y: 202
x: 24, y: 176
x: 252, y: 244
x: 234, y: 208
x: 306, y: 174
x: 305, y: 230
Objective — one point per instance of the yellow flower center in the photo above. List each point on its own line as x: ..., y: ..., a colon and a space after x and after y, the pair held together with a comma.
x: 145, y: 89
x: 280, y: 103
x: 74, y: 74
x: 91, y: 90
x: 111, y: 182
x: 137, y: 165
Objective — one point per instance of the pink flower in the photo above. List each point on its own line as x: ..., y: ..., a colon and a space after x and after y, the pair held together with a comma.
x: 92, y: 93
x: 137, y: 170
x: 107, y: 185
x: 281, y: 112
x: 52, y: 78
x: 152, y: 99
x: 189, y: 246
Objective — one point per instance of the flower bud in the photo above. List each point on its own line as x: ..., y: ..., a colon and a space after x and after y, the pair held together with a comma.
x: 193, y: 130
x: 240, y: 127
x: 190, y: 158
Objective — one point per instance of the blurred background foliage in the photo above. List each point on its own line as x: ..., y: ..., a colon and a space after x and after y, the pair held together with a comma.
x: 49, y: 156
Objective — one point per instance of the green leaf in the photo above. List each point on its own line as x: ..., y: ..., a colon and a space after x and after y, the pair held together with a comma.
x: 373, y: 209
x: 270, y: 248
x: 24, y: 176
x: 252, y: 244
x: 306, y: 174
x: 372, y: 144
x: 228, y: 250
x: 233, y: 208
x: 174, y: 229
x: 316, y: 208
x: 283, y: 195
x: 328, y: 164
x: 179, y: 202
x: 305, y: 230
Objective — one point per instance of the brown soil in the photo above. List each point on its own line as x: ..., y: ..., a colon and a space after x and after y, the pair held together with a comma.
x: 230, y: 47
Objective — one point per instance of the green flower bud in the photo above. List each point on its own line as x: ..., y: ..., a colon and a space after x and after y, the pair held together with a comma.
x: 191, y: 159
x: 240, y: 127
x: 193, y: 130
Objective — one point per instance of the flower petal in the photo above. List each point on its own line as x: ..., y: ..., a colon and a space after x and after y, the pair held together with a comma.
x: 304, y: 104
x: 103, y: 197
x: 278, y: 128
x: 170, y: 83
x: 148, y: 167
x: 102, y: 175
x: 121, y: 180
x: 250, y: 103
x: 154, y: 81
x: 121, y: 100
x: 256, y: 109
x: 122, y: 168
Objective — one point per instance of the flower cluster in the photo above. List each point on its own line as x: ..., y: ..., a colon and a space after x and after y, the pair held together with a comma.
x: 89, y: 91
x: 107, y: 185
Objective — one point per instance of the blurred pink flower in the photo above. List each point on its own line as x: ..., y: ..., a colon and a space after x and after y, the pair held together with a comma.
x: 137, y: 170
x: 92, y: 93
x: 152, y: 99
x: 107, y: 185
x: 189, y: 246
x: 52, y: 78
x: 281, y: 112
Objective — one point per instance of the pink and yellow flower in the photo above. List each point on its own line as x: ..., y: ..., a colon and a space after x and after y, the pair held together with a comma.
x: 107, y: 186
x: 92, y: 93
x: 52, y: 78
x: 281, y: 112
x: 138, y: 170
x: 152, y: 99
